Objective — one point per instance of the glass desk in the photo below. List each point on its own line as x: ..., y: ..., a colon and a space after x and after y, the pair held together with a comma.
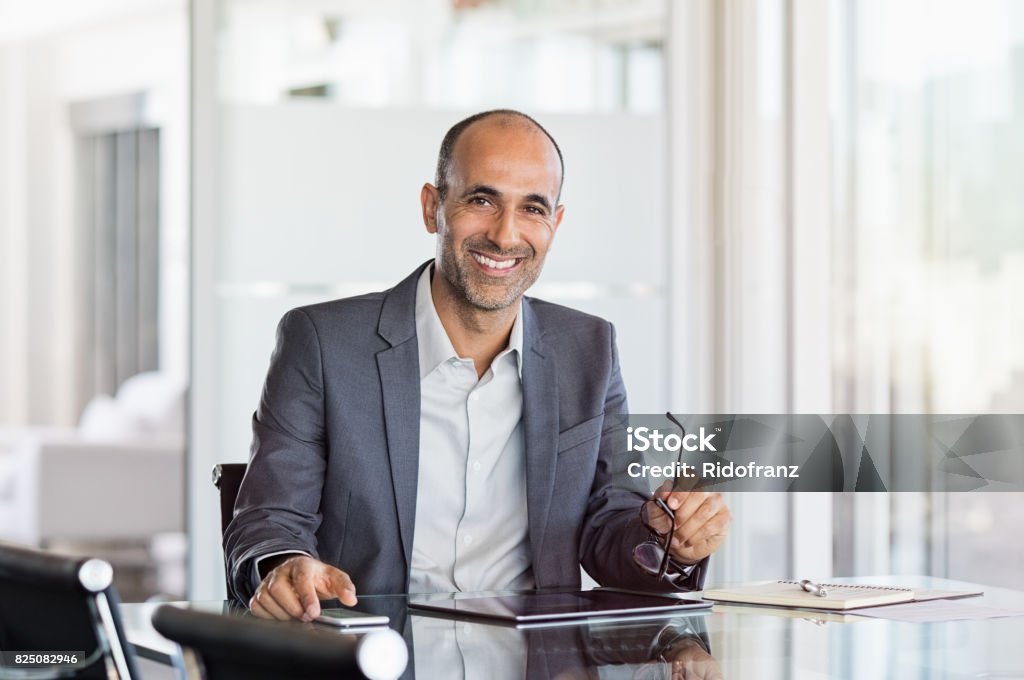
x: 728, y: 642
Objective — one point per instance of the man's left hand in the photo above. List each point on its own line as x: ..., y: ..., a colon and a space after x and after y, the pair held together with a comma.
x: 690, y: 661
x: 702, y: 523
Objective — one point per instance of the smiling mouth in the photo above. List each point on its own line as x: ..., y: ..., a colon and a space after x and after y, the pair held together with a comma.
x: 491, y: 264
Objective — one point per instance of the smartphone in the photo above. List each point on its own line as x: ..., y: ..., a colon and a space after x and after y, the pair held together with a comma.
x: 350, y: 618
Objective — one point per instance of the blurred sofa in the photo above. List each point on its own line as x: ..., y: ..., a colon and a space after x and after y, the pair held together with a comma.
x: 113, y: 485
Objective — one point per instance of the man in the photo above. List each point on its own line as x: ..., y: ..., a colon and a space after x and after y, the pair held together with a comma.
x: 450, y: 434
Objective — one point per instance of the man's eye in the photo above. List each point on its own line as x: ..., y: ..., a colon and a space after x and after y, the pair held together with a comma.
x: 534, y: 210
x: 479, y: 200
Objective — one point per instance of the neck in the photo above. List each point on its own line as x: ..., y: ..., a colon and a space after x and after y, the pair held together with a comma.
x: 478, y: 334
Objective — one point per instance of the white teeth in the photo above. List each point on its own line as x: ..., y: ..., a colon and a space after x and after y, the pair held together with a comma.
x: 494, y: 264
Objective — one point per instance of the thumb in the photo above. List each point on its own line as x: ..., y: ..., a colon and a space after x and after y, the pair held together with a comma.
x: 674, y: 499
x: 663, y: 490
x: 342, y: 587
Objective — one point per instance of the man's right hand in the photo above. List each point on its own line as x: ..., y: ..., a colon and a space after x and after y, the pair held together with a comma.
x: 293, y: 589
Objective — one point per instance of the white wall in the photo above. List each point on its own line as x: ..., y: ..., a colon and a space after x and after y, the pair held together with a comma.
x: 13, y: 237
x: 21, y: 21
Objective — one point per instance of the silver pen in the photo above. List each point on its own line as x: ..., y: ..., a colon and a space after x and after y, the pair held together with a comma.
x: 812, y: 587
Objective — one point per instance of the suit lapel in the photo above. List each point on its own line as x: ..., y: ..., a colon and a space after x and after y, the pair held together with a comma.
x: 540, y: 428
x: 398, y: 367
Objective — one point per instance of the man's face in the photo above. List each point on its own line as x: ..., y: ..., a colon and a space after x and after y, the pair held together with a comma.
x: 500, y: 214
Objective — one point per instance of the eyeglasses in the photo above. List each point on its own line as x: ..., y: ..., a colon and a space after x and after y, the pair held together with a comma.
x: 678, y: 650
x: 653, y: 555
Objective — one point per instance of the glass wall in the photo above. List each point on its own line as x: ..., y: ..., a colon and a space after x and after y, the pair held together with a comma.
x: 583, y: 56
x: 783, y: 207
x: 319, y: 122
x: 865, y: 234
x: 928, y: 106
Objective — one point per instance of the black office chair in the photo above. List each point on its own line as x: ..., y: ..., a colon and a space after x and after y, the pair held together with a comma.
x: 241, y: 647
x: 227, y: 477
x: 55, y: 604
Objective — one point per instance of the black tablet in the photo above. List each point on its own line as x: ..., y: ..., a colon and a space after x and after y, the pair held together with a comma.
x: 561, y: 606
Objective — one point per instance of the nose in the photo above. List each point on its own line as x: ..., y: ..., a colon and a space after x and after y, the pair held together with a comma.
x: 504, y: 231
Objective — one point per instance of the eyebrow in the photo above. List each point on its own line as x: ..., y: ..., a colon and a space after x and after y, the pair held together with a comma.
x: 491, y: 191
x: 482, y: 189
x: 538, y: 198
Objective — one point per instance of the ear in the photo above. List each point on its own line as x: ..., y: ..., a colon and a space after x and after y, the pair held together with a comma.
x: 559, y: 213
x: 430, y: 201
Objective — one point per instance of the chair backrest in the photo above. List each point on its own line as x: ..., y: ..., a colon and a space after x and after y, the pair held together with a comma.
x: 227, y: 477
x: 54, y: 603
x: 230, y: 647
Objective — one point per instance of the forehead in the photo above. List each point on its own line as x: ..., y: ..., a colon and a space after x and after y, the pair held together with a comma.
x: 508, y: 154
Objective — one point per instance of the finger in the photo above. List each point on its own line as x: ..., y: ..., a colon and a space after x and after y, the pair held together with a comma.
x: 697, y: 547
x: 303, y: 582
x: 690, y: 519
x: 683, y: 504
x: 715, y: 530
x: 681, y: 670
x: 673, y: 498
x: 264, y: 598
x: 686, y: 504
x: 704, y: 541
x: 716, y: 525
x: 341, y: 586
x: 706, y: 669
x: 713, y: 672
x: 696, y: 669
x: 657, y: 518
x: 257, y: 609
x: 279, y: 584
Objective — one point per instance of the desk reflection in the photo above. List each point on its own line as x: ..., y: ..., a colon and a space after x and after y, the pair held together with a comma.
x: 661, y: 649
x: 761, y: 642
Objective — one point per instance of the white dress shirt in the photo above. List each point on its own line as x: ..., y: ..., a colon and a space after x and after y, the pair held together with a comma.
x: 465, y: 650
x: 471, y: 521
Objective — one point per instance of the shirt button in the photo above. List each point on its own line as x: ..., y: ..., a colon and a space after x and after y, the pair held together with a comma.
x: 476, y: 465
x: 474, y: 396
x: 467, y: 539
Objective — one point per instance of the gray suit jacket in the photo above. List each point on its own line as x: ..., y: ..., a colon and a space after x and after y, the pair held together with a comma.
x: 334, y: 460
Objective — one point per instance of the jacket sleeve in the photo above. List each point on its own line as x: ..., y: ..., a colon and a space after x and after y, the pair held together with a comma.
x: 277, y: 509
x: 612, y: 526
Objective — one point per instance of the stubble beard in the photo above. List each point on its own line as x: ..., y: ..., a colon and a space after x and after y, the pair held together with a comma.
x: 476, y: 288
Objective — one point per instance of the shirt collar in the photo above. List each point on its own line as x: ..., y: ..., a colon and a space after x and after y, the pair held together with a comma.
x: 435, y: 347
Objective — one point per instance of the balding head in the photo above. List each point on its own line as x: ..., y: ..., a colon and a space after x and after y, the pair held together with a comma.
x: 500, y: 117
x: 495, y: 209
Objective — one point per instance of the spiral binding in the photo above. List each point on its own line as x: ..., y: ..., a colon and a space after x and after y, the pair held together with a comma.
x: 853, y: 585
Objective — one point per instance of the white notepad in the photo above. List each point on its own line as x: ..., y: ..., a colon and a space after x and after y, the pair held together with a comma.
x: 841, y: 596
